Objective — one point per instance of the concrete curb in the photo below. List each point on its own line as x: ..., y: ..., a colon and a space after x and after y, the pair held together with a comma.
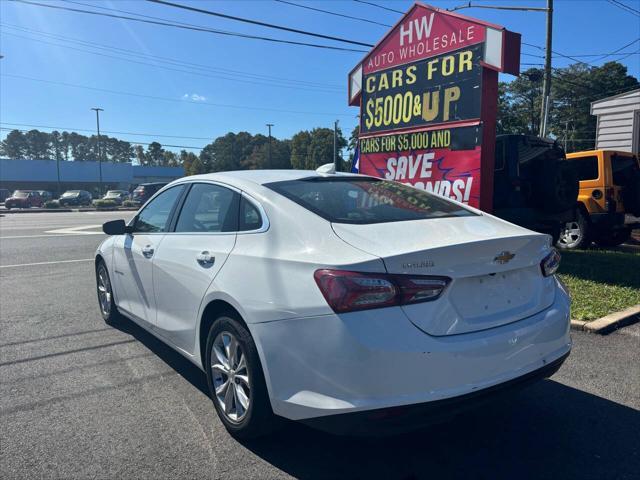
x: 67, y: 210
x: 609, y: 322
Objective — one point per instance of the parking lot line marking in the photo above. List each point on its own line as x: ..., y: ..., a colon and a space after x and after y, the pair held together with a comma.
x: 47, y: 263
x: 81, y: 230
x: 45, y: 236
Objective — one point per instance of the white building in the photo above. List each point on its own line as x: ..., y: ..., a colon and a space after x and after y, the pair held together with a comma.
x: 618, y: 122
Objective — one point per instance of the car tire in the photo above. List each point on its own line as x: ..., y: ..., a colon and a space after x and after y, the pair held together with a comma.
x: 243, y: 406
x: 613, y: 239
x: 575, y: 234
x: 106, y: 301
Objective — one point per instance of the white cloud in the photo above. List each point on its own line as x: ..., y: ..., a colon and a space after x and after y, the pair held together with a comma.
x: 194, y: 97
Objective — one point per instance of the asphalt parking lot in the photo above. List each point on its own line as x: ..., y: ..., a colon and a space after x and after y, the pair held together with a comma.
x: 81, y: 400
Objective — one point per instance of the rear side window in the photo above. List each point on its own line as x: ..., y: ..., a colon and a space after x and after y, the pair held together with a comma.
x: 250, y: 218
x: 622, y: 168
x: 366, y: 200
x: 587, y: 167
x: 208, y: 208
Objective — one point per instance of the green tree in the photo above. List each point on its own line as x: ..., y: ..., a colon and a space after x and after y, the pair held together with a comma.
x: 38, y: 146
x: 14, y: 145
x: 311, y: 149
x: 573, y: 90
x: 138, y: 151
x: 154, y: 154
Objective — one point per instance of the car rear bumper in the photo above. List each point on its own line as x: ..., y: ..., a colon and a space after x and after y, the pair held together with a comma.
x: 335, y: 364
x: 411, y: 417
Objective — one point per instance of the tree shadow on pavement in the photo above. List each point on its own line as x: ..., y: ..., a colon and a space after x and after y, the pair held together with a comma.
x: 180, y: 364
x: 610, y: 267
x: 547, y: 430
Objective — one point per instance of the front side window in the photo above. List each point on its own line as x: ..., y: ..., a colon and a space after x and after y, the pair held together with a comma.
x: 209, y: 208
x: 361, y: 200
x: 154, y: 218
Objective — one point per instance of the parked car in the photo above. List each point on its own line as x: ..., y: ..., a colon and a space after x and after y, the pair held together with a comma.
x: 343, y: 301
x: 117, y: 196
x: 4, y: 194
x: 609, y: 199
x: 75, y: 198
x: 23, y: 199
x: 45, y: 195
x: 534, y: 185
x: 145, y: 191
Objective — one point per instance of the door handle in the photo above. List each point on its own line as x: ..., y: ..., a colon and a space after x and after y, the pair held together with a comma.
x: 148, y: 251
x: 205, y: 259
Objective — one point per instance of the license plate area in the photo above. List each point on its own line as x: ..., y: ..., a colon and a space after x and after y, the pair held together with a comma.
x: 485, y: 296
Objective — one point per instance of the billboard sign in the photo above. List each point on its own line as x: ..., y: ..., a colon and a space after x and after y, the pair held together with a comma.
x: 428, y: 98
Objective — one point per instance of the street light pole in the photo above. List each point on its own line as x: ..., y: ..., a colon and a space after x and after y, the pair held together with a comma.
x: 546, y: 87
x: 335, y: 146
x: 269, y: 125
x: 98, y: 110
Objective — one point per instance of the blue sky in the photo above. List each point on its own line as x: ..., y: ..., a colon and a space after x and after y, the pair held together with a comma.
x: 245, y: 83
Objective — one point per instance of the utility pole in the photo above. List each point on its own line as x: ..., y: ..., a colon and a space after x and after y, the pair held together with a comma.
x: 335, y: 146
x: 269, y: 125
x: 98, y: 110
x: 546, y: 86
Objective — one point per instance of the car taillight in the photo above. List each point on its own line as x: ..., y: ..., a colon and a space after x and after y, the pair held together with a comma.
x: 347, y: 291
x: 549, y: 264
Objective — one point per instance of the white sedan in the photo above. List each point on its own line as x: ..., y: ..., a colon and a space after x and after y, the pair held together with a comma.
x: 340, y: 300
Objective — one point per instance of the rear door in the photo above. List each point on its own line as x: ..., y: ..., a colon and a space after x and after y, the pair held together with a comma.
x: 134, y: 255
x: 191, y: 256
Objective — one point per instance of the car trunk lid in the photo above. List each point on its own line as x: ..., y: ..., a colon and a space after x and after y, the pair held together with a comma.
x: 494, y: 267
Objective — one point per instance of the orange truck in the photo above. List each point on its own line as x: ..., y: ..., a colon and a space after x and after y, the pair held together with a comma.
x: 608, y: 199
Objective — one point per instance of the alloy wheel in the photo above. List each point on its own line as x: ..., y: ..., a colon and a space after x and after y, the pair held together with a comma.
x: 230, y: 377
x: 571, y: 235
x: 104, y: 291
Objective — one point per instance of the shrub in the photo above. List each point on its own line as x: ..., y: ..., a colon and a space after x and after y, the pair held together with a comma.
x: 129, y: 203
x: 105, y: 204
x: 51, y: 204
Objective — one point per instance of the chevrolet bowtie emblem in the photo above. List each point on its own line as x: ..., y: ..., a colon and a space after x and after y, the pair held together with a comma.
x: 503, y: 257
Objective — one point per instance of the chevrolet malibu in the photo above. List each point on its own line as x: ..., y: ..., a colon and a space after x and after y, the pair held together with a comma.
x: 339, y: 300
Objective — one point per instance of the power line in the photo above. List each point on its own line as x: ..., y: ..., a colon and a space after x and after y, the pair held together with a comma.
x: 379, y: 6
x: 105, y: 131
x: 134, y: 142
x: 157, y: 65
x: 175, y: 100
x: 360, y: 19
x: 257, y: 22
x: 190, y: 27
x: 619, y: 49
x: 625, y: 7
x: 225, y: 71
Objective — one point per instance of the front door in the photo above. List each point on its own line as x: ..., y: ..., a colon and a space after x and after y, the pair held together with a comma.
x: 190, y: 257
x: 133, y: 258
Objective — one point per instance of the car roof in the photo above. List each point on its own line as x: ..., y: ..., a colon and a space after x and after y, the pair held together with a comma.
x: 261, y: 177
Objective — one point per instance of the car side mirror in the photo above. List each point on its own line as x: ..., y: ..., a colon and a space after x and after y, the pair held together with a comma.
x: 116, y: 227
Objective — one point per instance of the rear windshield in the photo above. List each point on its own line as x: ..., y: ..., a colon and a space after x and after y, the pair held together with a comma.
x: 20, y: 194
x: 71, y: 193
x: 366, y: 200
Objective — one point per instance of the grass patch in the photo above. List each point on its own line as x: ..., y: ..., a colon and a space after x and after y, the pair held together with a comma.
x: 601, y: 282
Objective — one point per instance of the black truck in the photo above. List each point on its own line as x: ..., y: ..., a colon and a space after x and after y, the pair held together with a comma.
x: 535, y: 186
